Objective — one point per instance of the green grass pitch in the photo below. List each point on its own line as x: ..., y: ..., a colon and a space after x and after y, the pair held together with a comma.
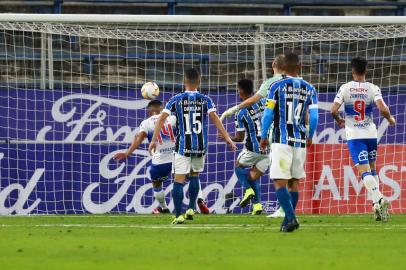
x: 208, y: 242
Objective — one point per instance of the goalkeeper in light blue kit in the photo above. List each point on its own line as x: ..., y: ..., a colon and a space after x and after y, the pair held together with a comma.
x: 358, y: 97
x: 289, y: 101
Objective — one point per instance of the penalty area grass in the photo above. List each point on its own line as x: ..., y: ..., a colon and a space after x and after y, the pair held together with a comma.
x: 208, y: 242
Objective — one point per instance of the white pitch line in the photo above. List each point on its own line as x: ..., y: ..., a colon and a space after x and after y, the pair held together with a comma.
x: 155, y: 216
x: 210, y: 226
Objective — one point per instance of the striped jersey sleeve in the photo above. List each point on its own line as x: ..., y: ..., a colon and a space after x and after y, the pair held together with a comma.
x: 239, y: 125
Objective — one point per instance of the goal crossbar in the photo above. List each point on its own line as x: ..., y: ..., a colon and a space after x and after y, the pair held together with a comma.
x: 200, y: 19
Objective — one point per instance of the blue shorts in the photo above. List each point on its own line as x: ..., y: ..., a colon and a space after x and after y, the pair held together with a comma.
x: 363, y: 151
x: 160, y: 172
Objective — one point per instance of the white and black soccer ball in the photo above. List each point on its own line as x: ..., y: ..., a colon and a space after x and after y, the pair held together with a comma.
x: 150, y: 90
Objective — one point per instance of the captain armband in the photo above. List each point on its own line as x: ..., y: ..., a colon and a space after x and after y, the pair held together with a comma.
x: 270, y: 104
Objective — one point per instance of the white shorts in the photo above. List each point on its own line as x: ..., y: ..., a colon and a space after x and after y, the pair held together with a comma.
x: 185, y: 165
x: 287, y: 162
x: 248, y: 158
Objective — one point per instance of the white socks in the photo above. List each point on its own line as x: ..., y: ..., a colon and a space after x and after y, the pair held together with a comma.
x: 200, y: 194
x: 160, y: 197
x: 372, y: 186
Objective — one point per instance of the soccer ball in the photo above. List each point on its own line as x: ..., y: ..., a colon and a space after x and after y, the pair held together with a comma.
x: 150, y: 90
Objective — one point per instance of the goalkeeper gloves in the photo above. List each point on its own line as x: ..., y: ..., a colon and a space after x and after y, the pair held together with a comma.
x: 230, y: 112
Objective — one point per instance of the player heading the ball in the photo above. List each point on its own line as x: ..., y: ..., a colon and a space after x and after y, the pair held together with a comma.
x: 161, y: 166
x: 192, y: 110
x: 289, y: 101
x: 358, y: 97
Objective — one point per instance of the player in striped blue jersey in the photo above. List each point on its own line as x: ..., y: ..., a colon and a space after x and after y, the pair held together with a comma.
x: 289, y: 101
x: 192, y: 110
x: 248, y: 127
x: 278, y: 65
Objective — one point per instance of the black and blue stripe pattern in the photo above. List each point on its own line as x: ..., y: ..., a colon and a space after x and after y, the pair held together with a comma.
x: 249, y: 121
x: 292, y: 96
x: 191, y: 109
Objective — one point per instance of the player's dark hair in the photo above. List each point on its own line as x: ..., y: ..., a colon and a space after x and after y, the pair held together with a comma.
x: 192, y: 76
x: 359, y: 65
x: 247, y: 86
x: 154, y: 103
x: 292, y: 61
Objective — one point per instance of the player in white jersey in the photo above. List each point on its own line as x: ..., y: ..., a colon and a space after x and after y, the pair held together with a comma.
x: 161, y: 166
x: 358, y: 97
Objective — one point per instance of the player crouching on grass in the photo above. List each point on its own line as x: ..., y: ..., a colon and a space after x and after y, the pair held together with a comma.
x: 161, y: 166
x: 289, y: 101
x: 358, y: 97
x: 192, y: 110
x: 248, y: 127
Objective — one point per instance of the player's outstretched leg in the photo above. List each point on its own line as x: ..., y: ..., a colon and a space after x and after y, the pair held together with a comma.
x: 177, y: 194
x: 159, y: 195
x: 194, y: 186
x: 249, y: 193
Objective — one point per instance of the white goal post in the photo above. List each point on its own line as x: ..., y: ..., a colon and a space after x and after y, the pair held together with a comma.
x: 200, y: 19
x: 70, y: 100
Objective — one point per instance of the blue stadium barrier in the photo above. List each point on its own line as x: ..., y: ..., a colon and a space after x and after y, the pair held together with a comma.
x: 394, y: 7
x: 203, y: 60
x: 89, y: 58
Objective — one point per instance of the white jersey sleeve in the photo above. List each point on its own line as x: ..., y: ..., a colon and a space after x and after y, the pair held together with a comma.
x: 377, y: 93
x: 143, y: 127
x: 340, y: 95
x: 165, y: 140
x: 358, y: 99
x: 171, y: 120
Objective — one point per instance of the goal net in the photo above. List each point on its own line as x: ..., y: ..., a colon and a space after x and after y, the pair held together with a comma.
x: 70, y: 99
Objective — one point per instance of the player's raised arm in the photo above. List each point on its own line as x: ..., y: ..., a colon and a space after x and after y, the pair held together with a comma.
x: 159, y: 124
x: 136, y: 142
x: 216, y: 121
x: 278, y: 66
x: 245, y: 104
